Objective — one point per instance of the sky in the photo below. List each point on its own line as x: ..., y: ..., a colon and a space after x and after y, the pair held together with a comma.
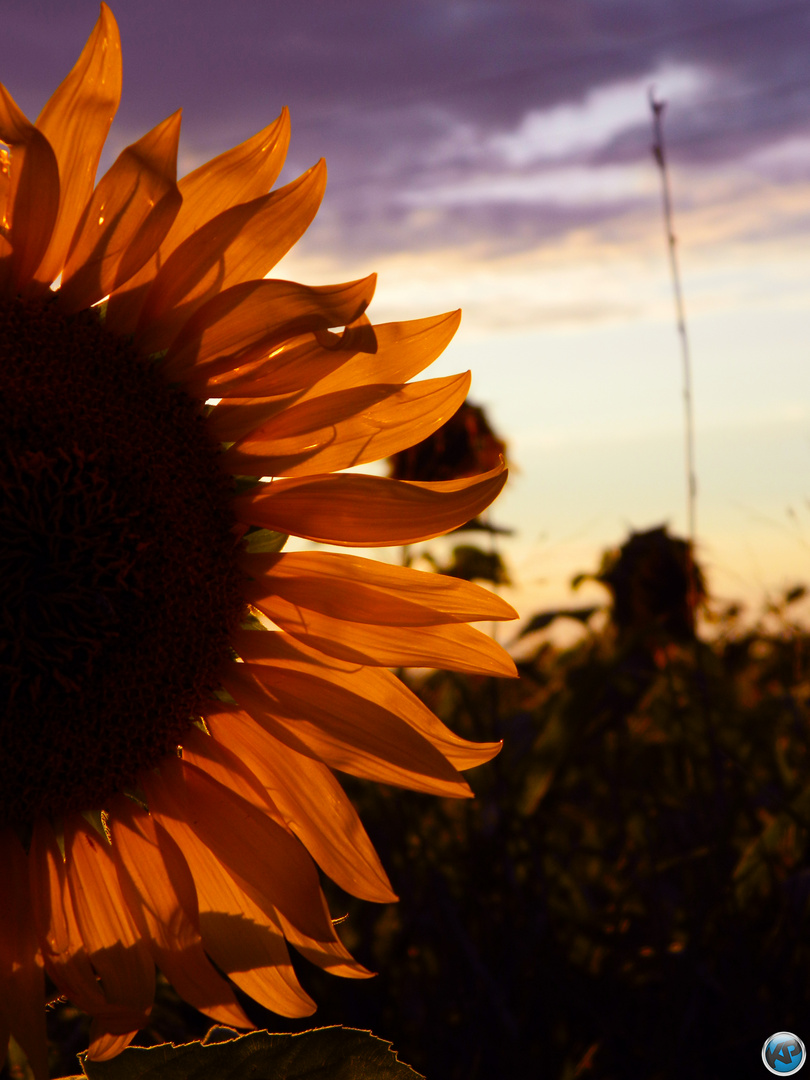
x: 495, y: 155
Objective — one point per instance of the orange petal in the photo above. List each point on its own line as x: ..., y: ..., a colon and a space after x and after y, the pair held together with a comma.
x: 228, y: 769
x: 374, y: 592
x: 295, y: 366
x: 22, y: 983
x: 318, y: 716
x: 32, y: 195
x: 312, y: 803
x: 241, y: 244
x: 332, y: 956
x: 129, y: 214
x: 347, y: 428
x: 116, y: 949
x: 362, y: 355
x: 239, y: 936
x: 403, y: 349
x: 247, y: 320
x: 63, y: 950
x: 159, y: 889
x: 336, y: 509
x: 261, y: 855
x: 75, y: 122
x: 456, y: 646
x: 230, y: 420
x: 238, y: 175
x: 376, y: 696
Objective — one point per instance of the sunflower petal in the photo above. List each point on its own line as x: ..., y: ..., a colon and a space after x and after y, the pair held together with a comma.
x: 457, y: 647
x: 295, y: 366
x: 331, y: 956
x: 159, y: 890
x: 238, y: 175
x: 63, y: 950
x: 243, y: 322
x: 240, y: 937
x: 75, y: 122
x: 312, y: 802
x: 241, y: 244
x: 22, y: 983
x: 347, y: 428
x: 403, y: 349
x: 368, y: 511
x: 257, y: 852
x: 116, y: 949
x: 32, y: 196
x: 315, y: 712
x: 122, y: 226
x: 347, y: 687
x: 335, y: 583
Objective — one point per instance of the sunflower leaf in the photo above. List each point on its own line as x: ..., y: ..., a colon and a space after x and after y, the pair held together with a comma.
x: 337, y: 1052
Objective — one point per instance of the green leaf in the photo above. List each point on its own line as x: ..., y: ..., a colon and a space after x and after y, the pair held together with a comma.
x: 261, y: 541
x: 331, y: 1053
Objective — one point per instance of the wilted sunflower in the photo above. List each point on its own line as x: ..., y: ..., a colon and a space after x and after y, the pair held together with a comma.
x: 176, y: 692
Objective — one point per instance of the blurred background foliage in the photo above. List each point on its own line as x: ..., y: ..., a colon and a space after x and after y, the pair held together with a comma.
x: 627, y: 894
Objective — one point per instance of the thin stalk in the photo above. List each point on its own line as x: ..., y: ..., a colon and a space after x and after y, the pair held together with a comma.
x: 657, y: 108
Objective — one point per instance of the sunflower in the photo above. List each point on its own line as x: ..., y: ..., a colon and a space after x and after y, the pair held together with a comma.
x: 177, y: 690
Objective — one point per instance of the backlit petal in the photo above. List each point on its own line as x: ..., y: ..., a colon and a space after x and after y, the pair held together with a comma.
x: 75, y: 122
x: 292, y: 663
x: 368, y: 511
x: 247, y: 320
x: 241, y: 244
x: 238, y: 175
x: 314, y: 713
x: 22, y: 984
x: 458, y: 647
x: 239, y: 935
x: 260, y: 854
x: 159, y: 889
x: 64, y: 953
x: 312, y: 802
x: 373, y: 592
x: 346, y: 428
x: 130, y: 212
x: 32, y: 197
x: 115, y: 947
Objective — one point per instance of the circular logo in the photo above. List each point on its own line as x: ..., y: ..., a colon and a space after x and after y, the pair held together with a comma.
x: 783, y: 1054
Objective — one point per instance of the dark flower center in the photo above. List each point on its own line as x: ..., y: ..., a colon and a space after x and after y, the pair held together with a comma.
x: 119, y: 564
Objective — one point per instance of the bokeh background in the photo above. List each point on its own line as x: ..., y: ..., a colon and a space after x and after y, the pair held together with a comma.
x: 628, y: 894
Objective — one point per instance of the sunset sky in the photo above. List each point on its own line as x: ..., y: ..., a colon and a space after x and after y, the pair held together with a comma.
x: 496, y: 156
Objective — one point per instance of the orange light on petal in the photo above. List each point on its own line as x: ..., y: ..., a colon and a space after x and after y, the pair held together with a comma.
x: 258, y: 853
x: 22, y: 983
x: 346, y: 428
x: 159, y: 889
x: 130, y: 212
x: 32, y: 198
x: 245, y: 321
x: 64, y: 952
x: 239, y: 935
x: 368, y: 511
x: 75, y: 122
x: 345, y: 730
x: 238, y: 175
x: 336, y: 583
x: 312, y: 802
x: 242, y: 243
x: 115, y: 947
x: 371, y: 692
